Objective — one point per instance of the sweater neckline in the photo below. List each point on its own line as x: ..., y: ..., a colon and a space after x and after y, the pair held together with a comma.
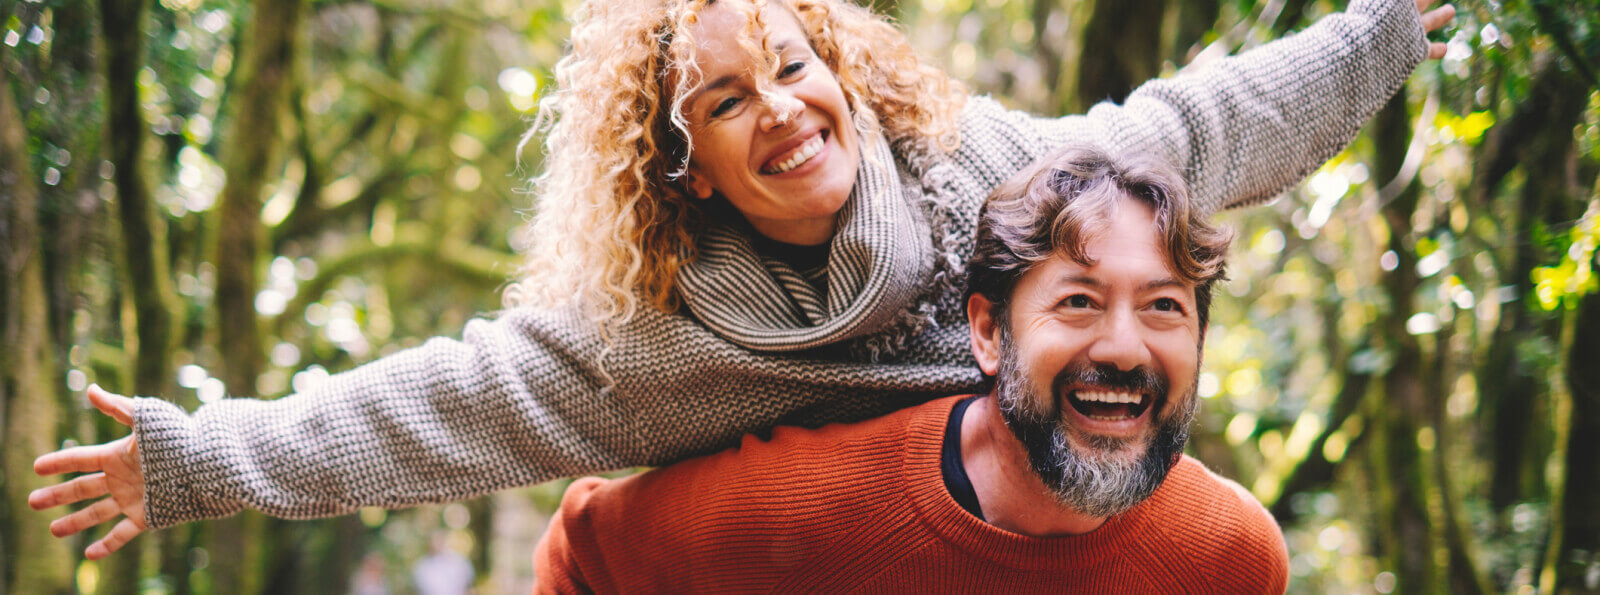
x: 879, y: 263
x: 942, y: 515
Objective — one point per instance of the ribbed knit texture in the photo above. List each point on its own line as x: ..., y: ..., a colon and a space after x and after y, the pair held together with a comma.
x: 523, y: 398
x: 863, y: 508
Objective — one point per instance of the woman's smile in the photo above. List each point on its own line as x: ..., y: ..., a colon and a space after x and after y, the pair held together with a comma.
x: 789, y: 159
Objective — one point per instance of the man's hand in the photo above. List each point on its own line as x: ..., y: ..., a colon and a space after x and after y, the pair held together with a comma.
x: 1432, y: 20
x: 115, y: 473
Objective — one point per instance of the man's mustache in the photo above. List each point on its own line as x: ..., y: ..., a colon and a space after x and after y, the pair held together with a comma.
x: 1140, y: 379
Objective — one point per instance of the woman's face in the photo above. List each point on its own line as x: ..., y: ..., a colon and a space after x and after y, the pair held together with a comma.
x: 786, y: 160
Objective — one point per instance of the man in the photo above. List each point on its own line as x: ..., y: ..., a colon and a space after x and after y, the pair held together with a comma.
x: 1088, y: 295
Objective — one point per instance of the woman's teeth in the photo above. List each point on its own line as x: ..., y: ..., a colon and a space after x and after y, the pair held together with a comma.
x: 800, y: 155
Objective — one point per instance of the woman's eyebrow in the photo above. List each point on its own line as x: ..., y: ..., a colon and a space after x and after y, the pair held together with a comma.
x: 717, y: 83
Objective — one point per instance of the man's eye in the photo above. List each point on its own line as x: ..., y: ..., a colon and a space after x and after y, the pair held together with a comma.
x: 1168, y: 305
x: 724, y: 106
x: 791, y: 69
x: 1077, y: 301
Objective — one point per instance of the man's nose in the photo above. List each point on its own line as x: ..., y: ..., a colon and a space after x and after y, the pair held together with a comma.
x: 783, y: 109
x: 1119, y: 341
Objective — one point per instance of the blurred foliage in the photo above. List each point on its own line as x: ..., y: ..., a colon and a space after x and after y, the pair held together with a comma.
x: 388, y: 220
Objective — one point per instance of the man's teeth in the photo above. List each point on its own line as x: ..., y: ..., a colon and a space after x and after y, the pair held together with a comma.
x: 1109, y: 397
x: 799, y: 157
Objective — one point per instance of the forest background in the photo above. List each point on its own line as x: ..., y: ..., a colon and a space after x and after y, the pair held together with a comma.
x: 202, y: 198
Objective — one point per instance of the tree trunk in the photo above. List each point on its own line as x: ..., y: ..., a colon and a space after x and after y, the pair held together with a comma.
x: 148, y: 282
x: 266, y: 70
x: 1195, y: 19
x: 30, y: 411
x: 1404, y: 524
x: 1515, y: 391
x: 1578, y: 548
x: 1124, y: 39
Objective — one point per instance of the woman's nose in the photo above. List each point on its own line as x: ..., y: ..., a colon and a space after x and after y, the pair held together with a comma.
x: 783, y: 109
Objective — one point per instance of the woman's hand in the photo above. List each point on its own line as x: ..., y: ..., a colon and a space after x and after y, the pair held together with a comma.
x: 116, y: 473
x: 1432, y: 20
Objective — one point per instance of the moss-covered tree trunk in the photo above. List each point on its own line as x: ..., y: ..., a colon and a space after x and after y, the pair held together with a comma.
x: 1577, y: 562
x: 1538, y: 139
x: 258, y: 121
x: 1122, y: 49
x: 30, y: 396
x: 144, y: 244
x: 1403, y: 514
x: 1194, y: 19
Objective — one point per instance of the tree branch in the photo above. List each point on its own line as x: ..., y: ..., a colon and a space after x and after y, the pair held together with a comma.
x: 413, y: 242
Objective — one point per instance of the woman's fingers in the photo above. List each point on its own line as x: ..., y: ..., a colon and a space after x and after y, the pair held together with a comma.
x: 82, y: 488
x: 1434, y: 19
x: 96, y: 513
x: 113, y: 541
x: 117, y: 406
x: 79, y: 458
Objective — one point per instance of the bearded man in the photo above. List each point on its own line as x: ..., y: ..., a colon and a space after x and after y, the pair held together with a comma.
x: 1088, y: 295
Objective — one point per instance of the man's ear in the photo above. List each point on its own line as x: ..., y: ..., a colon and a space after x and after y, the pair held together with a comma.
x: 985, y: 330
x: 698, y: 185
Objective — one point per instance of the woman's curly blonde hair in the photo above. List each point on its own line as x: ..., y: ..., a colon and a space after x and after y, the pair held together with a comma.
x: 614, y: 222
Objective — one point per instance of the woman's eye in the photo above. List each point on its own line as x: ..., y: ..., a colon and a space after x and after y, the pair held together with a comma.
x: 791, y: 69
x: 724, y: 106
x: 1077, y: 301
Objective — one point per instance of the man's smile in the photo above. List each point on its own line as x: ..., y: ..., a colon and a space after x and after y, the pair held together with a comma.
x: 1109, y: 404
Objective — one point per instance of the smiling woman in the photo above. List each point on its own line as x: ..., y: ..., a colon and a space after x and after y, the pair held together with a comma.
x: 783, y: 152
x: 752, y: 213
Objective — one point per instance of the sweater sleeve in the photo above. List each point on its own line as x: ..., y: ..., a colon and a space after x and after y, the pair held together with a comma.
x: 514, y: 402
x: 1243, y: 128
x: 528, y: 397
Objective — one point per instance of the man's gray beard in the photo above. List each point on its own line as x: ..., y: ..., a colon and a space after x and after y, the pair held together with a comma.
x: 1088, y: 482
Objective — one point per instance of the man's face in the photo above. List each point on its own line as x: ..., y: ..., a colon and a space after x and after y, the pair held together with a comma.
x: 1096, y: 366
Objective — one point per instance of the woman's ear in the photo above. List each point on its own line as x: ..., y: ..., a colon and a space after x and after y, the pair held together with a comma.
x: 698, y: 185
x: 985, y: 329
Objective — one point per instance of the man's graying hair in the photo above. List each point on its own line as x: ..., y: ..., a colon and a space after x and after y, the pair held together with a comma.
x: 1057, y: 204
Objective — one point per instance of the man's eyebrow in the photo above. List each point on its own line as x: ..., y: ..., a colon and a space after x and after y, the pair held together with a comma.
x: 1164, y: 283
x: 1081, y: 280
x: 1150, y: 285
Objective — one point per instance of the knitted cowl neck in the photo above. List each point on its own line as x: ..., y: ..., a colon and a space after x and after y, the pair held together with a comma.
x: 888, y: 264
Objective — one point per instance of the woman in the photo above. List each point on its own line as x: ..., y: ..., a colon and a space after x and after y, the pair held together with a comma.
x: 751, y: 215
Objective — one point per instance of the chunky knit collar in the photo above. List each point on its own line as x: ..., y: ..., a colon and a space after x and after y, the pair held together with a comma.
x: 882, y: 269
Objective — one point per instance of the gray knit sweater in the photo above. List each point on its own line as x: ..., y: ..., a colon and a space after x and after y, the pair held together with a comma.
x: 524, y: 398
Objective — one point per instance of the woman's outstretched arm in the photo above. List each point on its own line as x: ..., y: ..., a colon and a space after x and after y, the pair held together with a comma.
x: 1244, y: 128
x: 516, y: 401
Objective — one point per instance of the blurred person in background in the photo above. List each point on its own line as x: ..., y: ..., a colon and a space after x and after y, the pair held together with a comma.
x: 443, y: 571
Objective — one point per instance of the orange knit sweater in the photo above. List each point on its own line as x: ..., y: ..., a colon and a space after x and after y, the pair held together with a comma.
x: 863, y: 507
